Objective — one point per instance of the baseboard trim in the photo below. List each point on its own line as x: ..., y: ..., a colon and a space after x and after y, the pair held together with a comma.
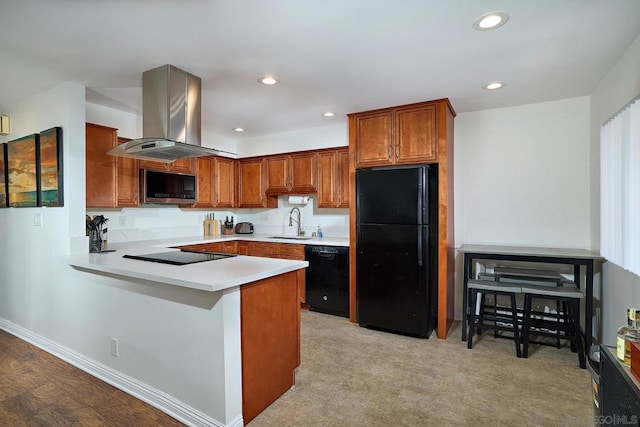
x: 156, y: 398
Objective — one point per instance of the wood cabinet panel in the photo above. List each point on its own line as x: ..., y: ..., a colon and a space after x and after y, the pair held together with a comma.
x: 270, y: 340
x: 396, y: 136
x: 178, y: 166
x: 343, y: 186
x: 304, y: 173
x: 327, y: 166
x: 229, y: 247
x: 264, y: 249
x: 182, y: 165
x: 251, y: 185
x: 224, y: 182
x: 100, y: 167
x: 292, y: 174
x: 333, y: 179
x: 291, y: 251
x: 375, y: 138
x: 416, y: 134
x: 278, y: 175
x: 150, y: 164
x: 128, y: 180
x: 243, y: 247
x: 205, y: 180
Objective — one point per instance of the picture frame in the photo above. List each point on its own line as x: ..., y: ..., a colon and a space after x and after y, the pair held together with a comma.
x: 51, y: 176
x: 23, y: 172
x: 4, y: 198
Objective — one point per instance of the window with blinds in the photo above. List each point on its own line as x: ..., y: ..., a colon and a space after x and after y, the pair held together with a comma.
x: 620, y: 188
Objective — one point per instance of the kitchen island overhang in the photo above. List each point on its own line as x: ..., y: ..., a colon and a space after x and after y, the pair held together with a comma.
x: 216, y: 293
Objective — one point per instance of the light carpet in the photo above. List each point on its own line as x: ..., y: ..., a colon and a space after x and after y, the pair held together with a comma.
x: 353, y: 376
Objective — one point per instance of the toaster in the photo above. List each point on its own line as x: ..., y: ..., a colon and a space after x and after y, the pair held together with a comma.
x: 244, y: 228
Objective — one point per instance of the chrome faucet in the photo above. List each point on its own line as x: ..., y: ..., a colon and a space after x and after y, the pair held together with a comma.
x: 291, y: 220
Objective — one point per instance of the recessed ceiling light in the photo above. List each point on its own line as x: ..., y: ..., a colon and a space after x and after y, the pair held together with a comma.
x: 328, y: 114
x: 493, y: 86
x: 268, y: 80
x: 490, y: 21
x: 239, y: 129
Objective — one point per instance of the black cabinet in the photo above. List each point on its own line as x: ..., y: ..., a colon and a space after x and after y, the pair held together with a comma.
x: 619, y: 392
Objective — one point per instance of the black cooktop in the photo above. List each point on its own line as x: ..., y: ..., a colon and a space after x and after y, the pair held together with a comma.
x: 180, y: 257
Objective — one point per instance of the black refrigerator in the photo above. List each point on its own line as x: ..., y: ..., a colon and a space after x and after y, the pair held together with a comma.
x: 396, y: 236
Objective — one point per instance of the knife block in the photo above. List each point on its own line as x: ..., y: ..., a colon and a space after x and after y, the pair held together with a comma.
x: 211, y: 227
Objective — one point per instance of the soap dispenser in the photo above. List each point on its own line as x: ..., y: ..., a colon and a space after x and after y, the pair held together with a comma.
x: 319, y: 233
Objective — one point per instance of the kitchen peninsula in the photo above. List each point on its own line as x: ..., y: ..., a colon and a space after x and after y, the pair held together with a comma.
x: 244, y: 309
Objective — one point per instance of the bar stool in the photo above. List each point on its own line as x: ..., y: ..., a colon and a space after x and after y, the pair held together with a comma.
x: 569, y: 326
x: 499, y: 321
x: 531, y: 276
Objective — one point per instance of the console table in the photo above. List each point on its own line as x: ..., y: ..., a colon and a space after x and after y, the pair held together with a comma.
x: 576, y: 257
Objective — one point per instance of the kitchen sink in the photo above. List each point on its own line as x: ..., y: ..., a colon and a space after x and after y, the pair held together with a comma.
x: 291, y: 237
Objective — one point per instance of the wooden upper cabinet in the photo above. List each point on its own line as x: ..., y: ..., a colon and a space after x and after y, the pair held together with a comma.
x: 188, y: 165
x: 278, y: 175
x: 205, y: 180
x: 396, y: 136
x: 292, y: 174
x: 374, y: 138
x: 343, y: 188
x: 224, y: 182
x: 150, y: 164
x: 128, y: 180
x: 304, y: 173
x: 216, y: 182
x: 415, y: 134
x: 333, y: 179
x: 182, y: 165
x: 252, y: 185
x: 100, y: 167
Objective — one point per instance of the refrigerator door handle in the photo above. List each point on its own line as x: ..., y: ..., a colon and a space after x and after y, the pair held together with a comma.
x: 419, y: 252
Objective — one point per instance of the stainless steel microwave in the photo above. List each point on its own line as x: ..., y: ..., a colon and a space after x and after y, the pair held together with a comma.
x: 167, y: 187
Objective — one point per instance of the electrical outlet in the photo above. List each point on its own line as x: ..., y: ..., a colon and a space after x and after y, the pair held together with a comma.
x: 114, y: 347
x: 122, y: 221
x: 37, y: 219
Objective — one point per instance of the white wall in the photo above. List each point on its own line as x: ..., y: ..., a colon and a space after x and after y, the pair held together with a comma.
x: 170, y: 339
x: 522, y: 177
x: 620, y: 288
x: 522, y: 174
x: 307, y: 139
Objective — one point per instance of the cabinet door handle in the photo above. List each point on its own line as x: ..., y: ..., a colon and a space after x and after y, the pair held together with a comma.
x: 397, y: 151
x: 389, y: 153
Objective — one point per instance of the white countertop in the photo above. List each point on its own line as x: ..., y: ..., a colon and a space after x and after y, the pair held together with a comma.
x: 208, y: 276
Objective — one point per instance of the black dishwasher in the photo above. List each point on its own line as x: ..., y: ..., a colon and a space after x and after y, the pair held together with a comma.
x: 327, y: 279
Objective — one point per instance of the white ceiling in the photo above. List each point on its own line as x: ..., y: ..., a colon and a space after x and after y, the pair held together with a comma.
x: 339, y: 55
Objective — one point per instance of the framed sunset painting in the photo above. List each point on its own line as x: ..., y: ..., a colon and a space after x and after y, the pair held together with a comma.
x: 3, y: 176
x: 51, y: 167
x: 23, y: 172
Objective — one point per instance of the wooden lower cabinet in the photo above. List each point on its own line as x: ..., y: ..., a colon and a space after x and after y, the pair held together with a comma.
x: 230, y: 247
x: 270, y: 340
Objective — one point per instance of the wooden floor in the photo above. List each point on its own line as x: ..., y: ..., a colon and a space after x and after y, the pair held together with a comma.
x: 38, y: 389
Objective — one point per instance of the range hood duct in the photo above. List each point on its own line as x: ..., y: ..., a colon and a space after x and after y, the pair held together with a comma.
x: 171, y: 118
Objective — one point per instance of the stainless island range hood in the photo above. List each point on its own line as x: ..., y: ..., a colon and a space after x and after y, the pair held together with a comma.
x: 170, y: 118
